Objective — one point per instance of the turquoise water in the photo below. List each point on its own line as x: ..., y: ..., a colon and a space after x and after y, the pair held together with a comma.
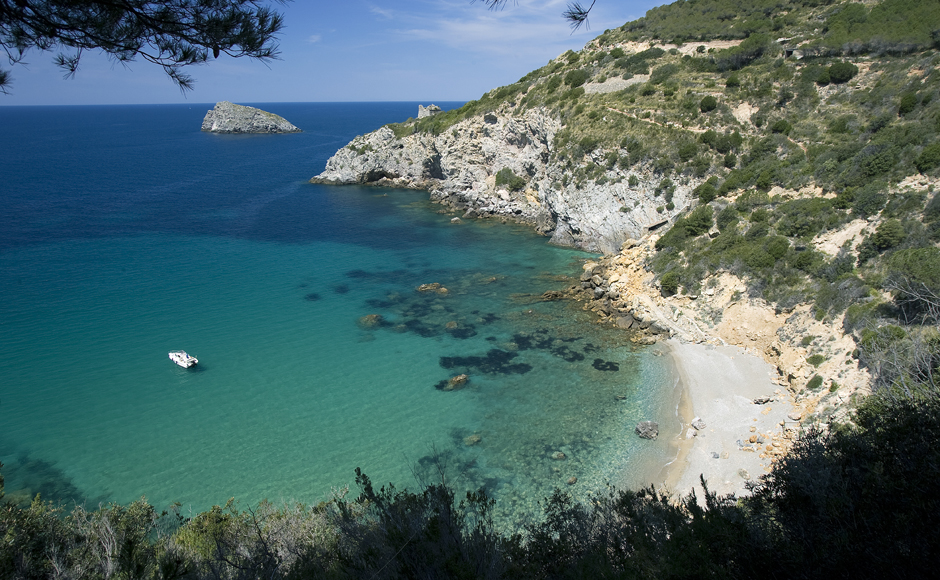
x: 129, y: 233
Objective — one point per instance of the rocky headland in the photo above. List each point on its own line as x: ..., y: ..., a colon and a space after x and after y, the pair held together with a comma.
x: 228, y: 117
x: 459, y: 168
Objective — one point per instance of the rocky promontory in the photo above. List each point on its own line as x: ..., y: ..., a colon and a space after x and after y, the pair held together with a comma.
x: 462, y: 169
x: 228, y: 117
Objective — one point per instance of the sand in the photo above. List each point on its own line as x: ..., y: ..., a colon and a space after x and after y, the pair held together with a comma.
x: 720, y: 385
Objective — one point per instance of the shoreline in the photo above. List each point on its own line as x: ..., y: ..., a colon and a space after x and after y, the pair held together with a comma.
x: 740, y: 439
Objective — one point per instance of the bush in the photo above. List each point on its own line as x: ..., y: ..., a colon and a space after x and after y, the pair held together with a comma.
x: 576, y: 78
x: 928, y: 159
x: 507, y: 177
x: 662, y: 74
x: 888, y: 235
x: 705, y: 192
x: 687, y: 151
x: 733, y: 81
x: 842, y: 72
x: 816, y: 360
x: 814, y: 383
x: 708, y: 104
x: 908, y: 103
x: 781, y: 126
x: 669, y: 283
x: 869, y: 201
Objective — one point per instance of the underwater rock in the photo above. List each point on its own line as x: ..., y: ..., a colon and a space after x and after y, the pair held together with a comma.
x: 603, y: 365
x: 433, y: 287
x: 312, y: 297
x: 454, y: 383
x: 572, y: 480
x: 558, y: 456
x: 341, y: 288
x: 471, y: 440
x: 647, y: 429
x: 371, y: 321
x: 495, y: 361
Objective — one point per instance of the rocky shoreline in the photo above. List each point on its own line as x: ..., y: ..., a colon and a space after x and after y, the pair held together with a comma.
x: 460, y: 166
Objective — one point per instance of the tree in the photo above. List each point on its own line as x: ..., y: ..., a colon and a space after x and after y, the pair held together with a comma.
x: 168, y: 34
x: 576, y: 13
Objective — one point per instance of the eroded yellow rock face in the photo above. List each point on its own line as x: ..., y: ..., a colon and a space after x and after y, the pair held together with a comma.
x: 625, y: 292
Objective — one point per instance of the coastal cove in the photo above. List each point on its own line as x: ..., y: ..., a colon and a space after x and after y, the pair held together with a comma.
x: 129, y: 233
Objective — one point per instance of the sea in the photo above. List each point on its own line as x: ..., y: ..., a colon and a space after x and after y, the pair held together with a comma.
x: 126, y: 233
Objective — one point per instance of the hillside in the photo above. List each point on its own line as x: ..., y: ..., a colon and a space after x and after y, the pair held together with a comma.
x: 788, y: 150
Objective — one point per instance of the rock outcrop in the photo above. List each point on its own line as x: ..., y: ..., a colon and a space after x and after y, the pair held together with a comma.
x: 460, y: 165
x: 228, y: 117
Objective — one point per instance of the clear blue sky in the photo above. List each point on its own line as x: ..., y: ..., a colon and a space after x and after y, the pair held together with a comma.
x: 347, y: 50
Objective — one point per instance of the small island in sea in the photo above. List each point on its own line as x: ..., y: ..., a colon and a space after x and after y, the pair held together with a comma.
x: 228, y: 117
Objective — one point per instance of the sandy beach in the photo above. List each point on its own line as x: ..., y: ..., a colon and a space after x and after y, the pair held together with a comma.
x: 739, y: 436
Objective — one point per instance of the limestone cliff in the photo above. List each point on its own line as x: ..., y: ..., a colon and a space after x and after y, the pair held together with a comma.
x: 459, y: 168
x: 228, y: 117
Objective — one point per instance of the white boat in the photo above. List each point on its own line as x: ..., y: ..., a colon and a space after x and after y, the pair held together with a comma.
x: 182, y: 359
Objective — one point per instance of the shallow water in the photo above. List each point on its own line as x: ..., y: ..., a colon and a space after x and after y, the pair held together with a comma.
x: 130, y: 233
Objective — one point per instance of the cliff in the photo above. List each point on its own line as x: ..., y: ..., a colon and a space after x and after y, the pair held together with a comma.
x: 461, y: 167
x: 228, y: 117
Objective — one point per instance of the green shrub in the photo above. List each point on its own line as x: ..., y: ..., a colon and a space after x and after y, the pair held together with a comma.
x: 576, y: 78
x: 699, y: 221
x: 929, y: 158
x: 662, y: 74
x: 869, y: 201
x: 733, y: 81
x: 708, y: 104
x: 814, y: 383
x: 781, y: 126
x: 842, y: 72
x: 823, y: 79
x: 816, y: 360
x: 888, y: 235
x: 705, y: 192
x: 553, y: 83
x: 908, y: 103
x: 669, y: 283
x: 507, y: 177
x: 726, y: 218
x: 687, y: 151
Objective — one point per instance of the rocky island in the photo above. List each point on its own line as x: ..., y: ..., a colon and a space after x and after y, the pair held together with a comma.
x: 228, y: 117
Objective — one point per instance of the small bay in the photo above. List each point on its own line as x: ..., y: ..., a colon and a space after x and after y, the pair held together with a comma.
x: 127, y: 233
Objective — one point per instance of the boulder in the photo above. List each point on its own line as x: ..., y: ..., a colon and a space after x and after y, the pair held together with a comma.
x: 698, y: 424
x: 647, y: 429
x: 228, y: 117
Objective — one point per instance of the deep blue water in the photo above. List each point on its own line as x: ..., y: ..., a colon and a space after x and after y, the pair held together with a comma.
x: 125, y: 232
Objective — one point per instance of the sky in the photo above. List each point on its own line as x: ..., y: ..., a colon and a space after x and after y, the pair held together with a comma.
x: 346, y: 50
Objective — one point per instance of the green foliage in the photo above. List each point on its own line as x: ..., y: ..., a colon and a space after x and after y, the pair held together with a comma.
x: 687, y: 151
x: 816, y: 360
x: 842, y: 72
x: 733, y: 81
x: 663, y: 73
x: 576, y: 78
x: 669, y: 283
x: 814, y: 383
x: 507, y: 177
x: 888, y: 235
x: 929, y: 158
x: 908, y: 103
x: 708, y: 104
x: 781, y: 126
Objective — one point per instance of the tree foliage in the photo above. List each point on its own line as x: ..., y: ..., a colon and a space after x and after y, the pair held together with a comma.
x: 171, y: 35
